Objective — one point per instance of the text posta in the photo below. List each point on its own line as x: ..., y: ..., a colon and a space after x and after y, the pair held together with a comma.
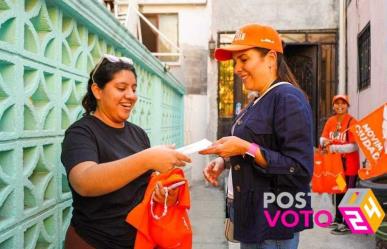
x: 291, y: 218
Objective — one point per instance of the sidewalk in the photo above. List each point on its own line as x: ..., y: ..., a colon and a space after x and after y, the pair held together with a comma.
x: 320, y: 238
x: 207, y: 216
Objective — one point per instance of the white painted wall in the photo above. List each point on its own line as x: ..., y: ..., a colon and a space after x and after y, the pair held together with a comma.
x: 194, y: 34
x: 194, y: 22
x: 195, y: 26
x: 195, y: 120
x: 359, y: 13
x: 281, y: 14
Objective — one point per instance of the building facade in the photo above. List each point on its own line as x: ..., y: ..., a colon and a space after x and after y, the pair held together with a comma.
x: 367, y: 55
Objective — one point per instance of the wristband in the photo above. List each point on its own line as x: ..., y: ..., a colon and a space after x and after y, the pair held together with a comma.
x: 251, y: 151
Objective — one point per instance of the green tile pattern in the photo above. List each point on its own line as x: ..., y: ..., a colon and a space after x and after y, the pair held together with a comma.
x: 47, y: 49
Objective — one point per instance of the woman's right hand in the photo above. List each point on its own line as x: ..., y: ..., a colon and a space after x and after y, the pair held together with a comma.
x: 163, y: 158
x: 213, y: 170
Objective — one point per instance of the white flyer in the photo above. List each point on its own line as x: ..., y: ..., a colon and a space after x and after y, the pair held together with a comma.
x: 195, y: 147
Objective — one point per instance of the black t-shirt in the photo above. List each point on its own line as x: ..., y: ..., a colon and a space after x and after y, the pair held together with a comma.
x: 101, y: 220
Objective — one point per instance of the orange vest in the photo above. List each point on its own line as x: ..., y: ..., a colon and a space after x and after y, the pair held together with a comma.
x: 170, y: 231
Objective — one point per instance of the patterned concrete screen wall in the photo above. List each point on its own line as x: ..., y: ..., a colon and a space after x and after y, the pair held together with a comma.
x: 47, y: 49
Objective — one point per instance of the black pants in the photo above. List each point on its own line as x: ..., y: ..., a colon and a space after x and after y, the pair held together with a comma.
x: 351, y: 183
x: 74, y: 241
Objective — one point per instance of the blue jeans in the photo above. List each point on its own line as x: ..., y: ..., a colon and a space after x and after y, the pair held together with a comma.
x: 267, y: 244
x: 274, y: 244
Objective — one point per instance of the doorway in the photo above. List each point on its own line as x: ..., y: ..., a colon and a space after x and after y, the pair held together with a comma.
x: 302, y: 60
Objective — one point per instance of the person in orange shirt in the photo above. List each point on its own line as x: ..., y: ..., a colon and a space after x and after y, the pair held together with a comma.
x: 336, y: 138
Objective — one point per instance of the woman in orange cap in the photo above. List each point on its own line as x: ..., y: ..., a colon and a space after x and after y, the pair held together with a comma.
x: 337, y: 138
x: 109, y: 161
x: 271, y: 147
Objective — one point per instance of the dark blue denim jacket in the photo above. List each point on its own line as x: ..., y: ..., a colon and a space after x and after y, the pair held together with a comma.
x: 281, y: 124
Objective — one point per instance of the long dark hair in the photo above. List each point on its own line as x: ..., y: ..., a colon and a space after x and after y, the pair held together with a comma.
x: 105, y: 73
x: 284, y: 73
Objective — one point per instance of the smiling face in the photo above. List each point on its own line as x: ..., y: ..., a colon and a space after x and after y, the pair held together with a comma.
x: 340, y: 107
x: 255, y: 69
x: 116, y: 100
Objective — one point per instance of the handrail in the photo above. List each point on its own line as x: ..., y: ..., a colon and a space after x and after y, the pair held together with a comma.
x: 154, y: 28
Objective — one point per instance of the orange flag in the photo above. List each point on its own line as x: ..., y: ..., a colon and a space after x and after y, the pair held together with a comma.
x: 371, y: 136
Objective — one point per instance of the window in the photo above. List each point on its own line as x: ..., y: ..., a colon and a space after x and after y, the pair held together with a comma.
x: 109, y: 4
x: 167, y: 24
x: 364, y: 57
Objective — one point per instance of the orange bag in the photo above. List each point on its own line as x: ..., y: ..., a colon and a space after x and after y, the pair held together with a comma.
x: 328, y: 173
x: 160, y: 226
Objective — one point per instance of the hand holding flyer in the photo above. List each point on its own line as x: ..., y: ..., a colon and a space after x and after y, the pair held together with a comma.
x: 195, y: 147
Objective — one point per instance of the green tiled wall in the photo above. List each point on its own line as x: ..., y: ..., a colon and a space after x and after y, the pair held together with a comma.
x: 47, y: 49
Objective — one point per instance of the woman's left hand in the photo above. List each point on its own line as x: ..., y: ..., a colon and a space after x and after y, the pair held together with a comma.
x: 160, y: 195
x: 227, y: 147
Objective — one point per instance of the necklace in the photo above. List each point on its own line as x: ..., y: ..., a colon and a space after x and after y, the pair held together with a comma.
x: 336, y: 133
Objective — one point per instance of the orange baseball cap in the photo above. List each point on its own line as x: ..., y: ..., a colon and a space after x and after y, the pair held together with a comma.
x: 340, y: 96
x: 251, y: 36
